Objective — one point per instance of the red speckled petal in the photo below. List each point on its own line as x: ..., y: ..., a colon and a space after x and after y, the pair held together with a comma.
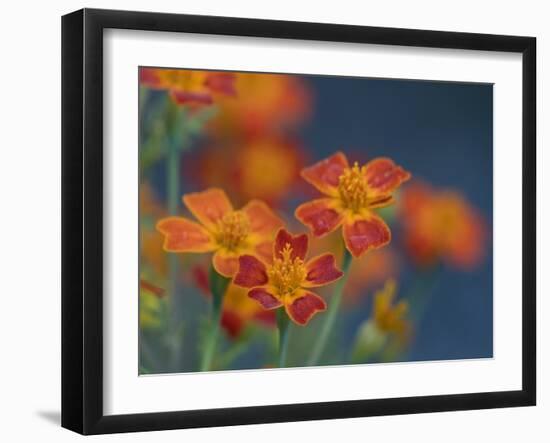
x: 321, y: 271
x: 252, y: 272
x: 320, y: 215
x: 362, y: 234
x: 325, y: 174
x: 384, y: 176
x: 305, y: 306
x: 265, y: 298
x: 298, y: 243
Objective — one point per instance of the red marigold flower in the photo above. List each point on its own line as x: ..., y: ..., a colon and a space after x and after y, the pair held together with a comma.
x: 286, y: 280
x: 441, y: 225
x: 188, y: 86
x: 351, y: 195
x: 227, y: 232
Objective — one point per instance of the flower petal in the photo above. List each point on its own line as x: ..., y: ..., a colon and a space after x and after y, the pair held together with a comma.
x: 208, y: 206
x: 320, y: 215
x: 298, y: 243
x: 321, y: 271
x: 264, y: 251
x: 265, y: 298
x: 325, y: 174
x: 226, y: 262
x: 383, y: 176
x: 304, y: 306
x: 252, y: 272
x: 362, y: 234
x: 263, y: 220
x: 183, y: 235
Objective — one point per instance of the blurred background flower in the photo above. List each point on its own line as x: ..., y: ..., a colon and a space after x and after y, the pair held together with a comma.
x: 442, y: 225
x: 266, y: 168
x: 267, y: 104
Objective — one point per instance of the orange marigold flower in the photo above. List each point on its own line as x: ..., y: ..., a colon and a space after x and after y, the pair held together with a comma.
x: 188, y: 86
x: 287, y: 278
x: 352, y: 192
x: 227, y: 232
x: 441, y: 225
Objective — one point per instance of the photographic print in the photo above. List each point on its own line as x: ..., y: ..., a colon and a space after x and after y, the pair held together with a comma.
x: 292, y: 220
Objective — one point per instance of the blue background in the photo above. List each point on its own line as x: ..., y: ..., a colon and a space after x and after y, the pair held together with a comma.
x: 443, y: 133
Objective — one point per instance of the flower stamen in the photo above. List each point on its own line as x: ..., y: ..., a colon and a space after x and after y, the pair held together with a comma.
x: 352, y: 187
x: 287, y: 274
x: 233, y: 229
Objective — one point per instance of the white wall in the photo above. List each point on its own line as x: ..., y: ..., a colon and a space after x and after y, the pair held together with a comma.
x: 30, y: 234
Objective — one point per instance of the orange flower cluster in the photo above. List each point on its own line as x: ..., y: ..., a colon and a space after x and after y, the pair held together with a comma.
x: 254, y: 152
x: 274, y: 269
x: 441, y: 225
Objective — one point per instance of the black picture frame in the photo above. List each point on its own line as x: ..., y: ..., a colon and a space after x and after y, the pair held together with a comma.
x: 82, y: 220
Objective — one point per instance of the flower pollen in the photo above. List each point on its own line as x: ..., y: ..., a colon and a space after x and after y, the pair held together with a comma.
x: 352, y: 187
x: 233, y: 228
x: 287, y: 274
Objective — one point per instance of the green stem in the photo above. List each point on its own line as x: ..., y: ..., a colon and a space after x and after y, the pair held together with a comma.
x: 423, y: 290
x: 332, y: 311
x: 172, y: 202
x: 218, y: 286
x: 283, y: 325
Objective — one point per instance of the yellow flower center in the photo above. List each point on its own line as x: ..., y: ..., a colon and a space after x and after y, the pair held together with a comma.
x: 287, y: 274
x: 352, y: 187
x: 233, y: 228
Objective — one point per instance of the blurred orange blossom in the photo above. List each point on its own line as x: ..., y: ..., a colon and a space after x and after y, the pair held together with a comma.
x: 267, y: 104
x: 389, y: 316
x: 441, y: 224
x: 266, y: 168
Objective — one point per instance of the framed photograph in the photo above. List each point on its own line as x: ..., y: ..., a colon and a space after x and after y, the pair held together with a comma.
x: 269, y: 221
